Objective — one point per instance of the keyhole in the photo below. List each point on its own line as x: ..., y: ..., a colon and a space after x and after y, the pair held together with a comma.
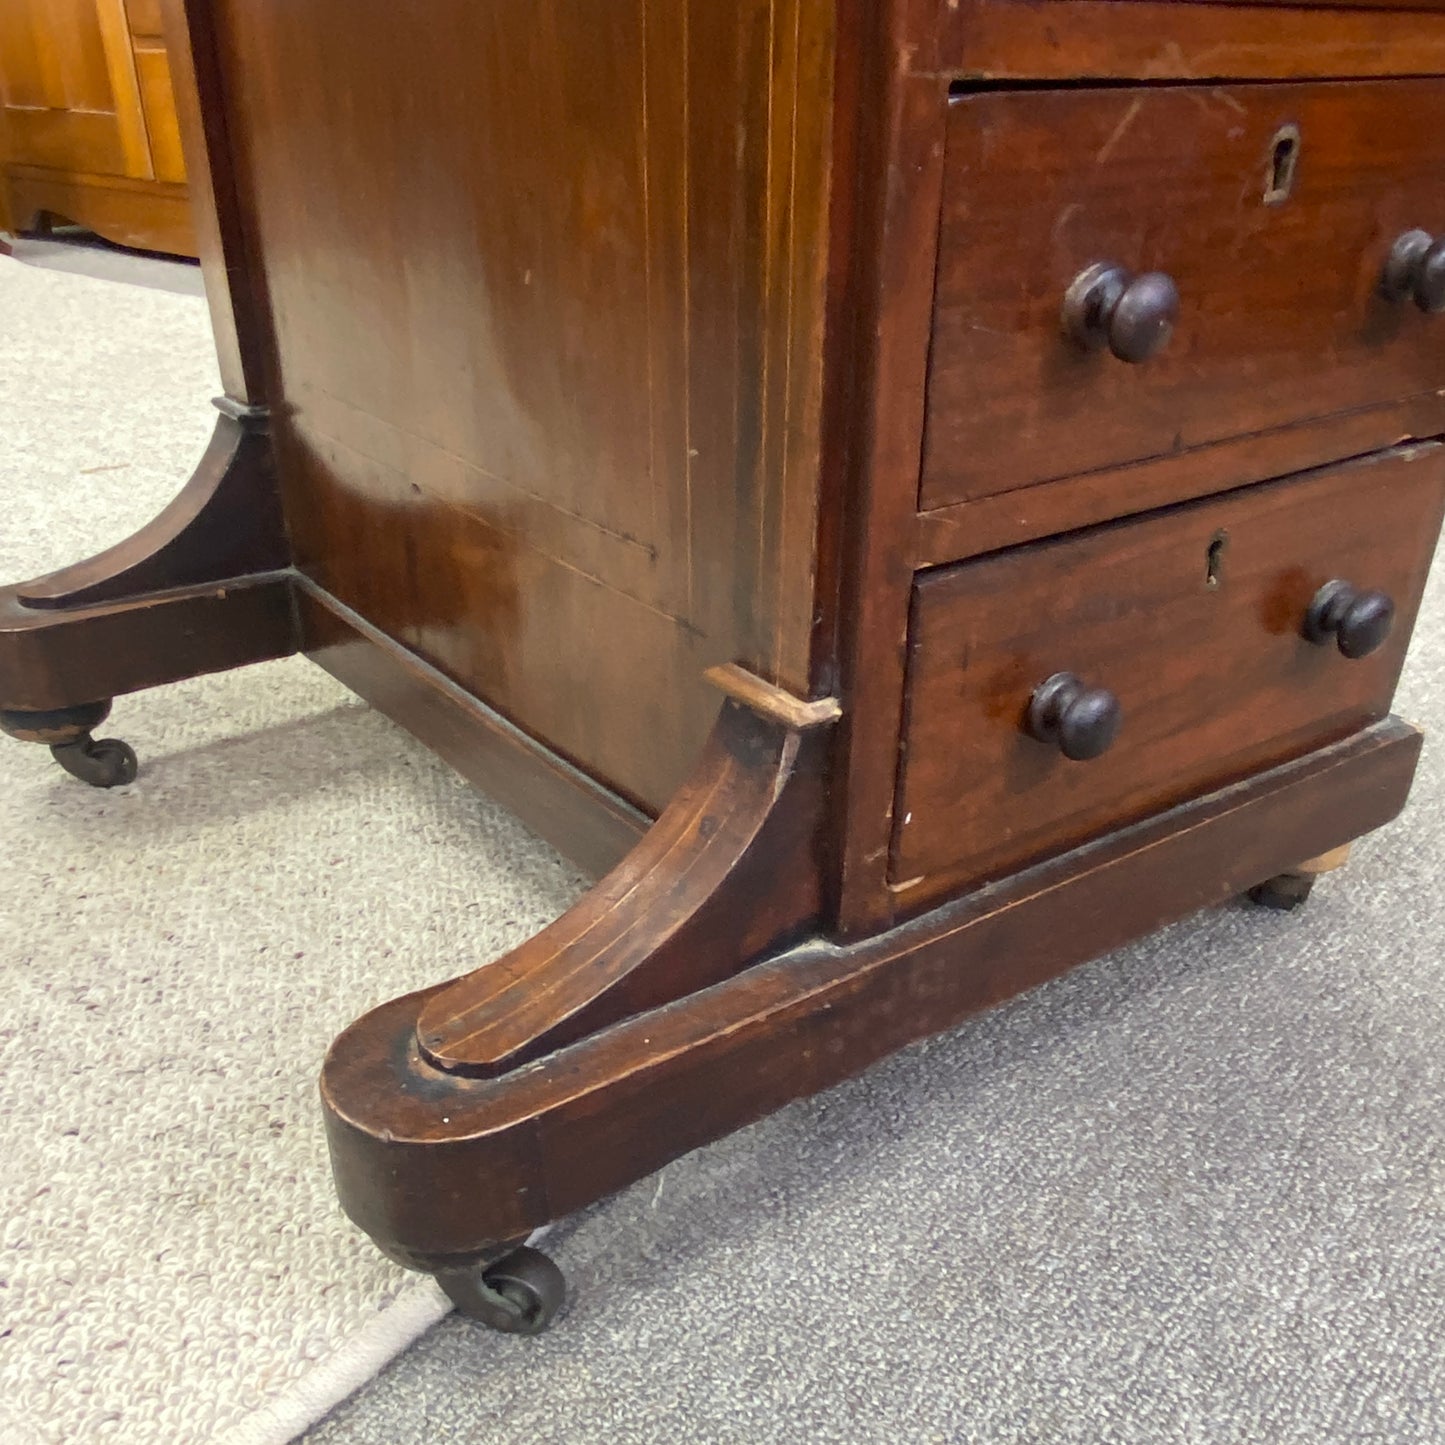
x: 1214, y: 559
x: 1284, y: 159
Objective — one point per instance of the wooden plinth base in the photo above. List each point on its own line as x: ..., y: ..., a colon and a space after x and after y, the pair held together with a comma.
x: 437, y: 1166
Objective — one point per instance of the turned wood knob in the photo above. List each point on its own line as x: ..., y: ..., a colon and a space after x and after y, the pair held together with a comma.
x: 1133, y: 316
x: 1082, y: 722
x: 1416, y: 269
x: 1358, y: 622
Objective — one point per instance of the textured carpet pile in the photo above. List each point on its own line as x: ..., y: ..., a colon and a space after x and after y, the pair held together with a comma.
x: 1193, y: 1192
x: 175, y: 956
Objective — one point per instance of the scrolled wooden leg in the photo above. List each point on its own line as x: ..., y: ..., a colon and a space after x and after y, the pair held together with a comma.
x: 202, y: 588
x: 729, y: 870
x: 729, y: 874
x: 438, y: 1163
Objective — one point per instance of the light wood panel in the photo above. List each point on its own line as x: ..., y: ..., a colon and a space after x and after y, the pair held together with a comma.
x: 158, y: 101
x: 89, y: 124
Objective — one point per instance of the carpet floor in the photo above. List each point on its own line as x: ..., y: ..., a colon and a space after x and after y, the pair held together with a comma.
x: 176, y: 955
x: 1192, y: 1192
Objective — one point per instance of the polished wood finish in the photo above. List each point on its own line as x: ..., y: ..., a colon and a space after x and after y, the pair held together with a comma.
x: 53, y: 660
x: 728, y: 873
x: 969, y: 529
x: 675, y: 423
x: 435, y: 1166
x: 90, y: 132
x: 225, y: 522
x: 147, y: 215
x: 559, y: 802
x: 900, y: 172
x: 1193, y: 618
x: 1160, y: 40
x: 61, y: 107
x: 613, y: 469
x: 1280, y: 315
x: 205, y: 587
x: 235, y: 291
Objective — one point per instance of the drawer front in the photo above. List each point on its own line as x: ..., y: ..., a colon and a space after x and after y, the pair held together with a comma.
x: 1271, y: 208
x: 1192, y: 619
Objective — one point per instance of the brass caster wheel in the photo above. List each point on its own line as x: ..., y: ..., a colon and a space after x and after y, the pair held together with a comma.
x: 1285, y: 893
x: 107, y: 763
x: 518, y: 1294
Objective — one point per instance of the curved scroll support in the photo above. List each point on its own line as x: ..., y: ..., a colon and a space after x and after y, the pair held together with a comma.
x: 202, y: 588
x: 225, y: 523
x: 728, y: 872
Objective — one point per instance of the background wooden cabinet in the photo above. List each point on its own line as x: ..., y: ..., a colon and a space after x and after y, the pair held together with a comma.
x: 89, y: 122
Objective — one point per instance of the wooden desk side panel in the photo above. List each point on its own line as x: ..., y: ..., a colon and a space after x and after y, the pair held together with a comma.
x: 547, y: 287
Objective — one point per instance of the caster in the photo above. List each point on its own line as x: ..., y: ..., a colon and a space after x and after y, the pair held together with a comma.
x: 1285, y: 893
x: 107, y: 763
x: 519, y: 1294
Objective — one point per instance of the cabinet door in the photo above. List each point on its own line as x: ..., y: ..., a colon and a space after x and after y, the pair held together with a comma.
x: 157, y: 93
x: 69, y: 87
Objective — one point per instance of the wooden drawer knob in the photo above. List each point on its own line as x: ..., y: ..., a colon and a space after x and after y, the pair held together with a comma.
x: 1357, y: 622
x: 1416, y: 269
x: 1082, y: 722
x: 1133, y: 316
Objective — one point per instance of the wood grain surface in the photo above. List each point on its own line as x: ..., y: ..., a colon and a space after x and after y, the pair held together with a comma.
x: 1211, y: 669
x: 437, y: 1166
x: 1069, y: 40
x: 548, y: 302
x: 1280, y: 313
x: 729, y: 871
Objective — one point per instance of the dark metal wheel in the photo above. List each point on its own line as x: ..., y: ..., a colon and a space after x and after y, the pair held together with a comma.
x: 106, y: 763
x: 1284, y: 893
x: 519, y: 1294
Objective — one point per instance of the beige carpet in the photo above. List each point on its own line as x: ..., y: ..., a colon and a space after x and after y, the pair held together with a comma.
x: 175, y: 956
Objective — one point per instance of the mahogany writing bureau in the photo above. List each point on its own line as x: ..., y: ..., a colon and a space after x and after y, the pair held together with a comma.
x: 910, y: 493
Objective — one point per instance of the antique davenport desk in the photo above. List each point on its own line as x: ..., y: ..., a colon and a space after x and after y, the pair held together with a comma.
x: 911, y: 493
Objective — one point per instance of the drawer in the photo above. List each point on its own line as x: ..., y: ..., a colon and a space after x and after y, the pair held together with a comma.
x: 1186, y: 625
x: 1272, y: 209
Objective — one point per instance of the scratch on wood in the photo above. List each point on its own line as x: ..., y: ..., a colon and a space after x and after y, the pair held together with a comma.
x: 1125, y: 121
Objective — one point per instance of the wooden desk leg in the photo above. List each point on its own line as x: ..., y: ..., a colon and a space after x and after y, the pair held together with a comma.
x: 202, y: 588
x: 1287, y: 891
x: 443, y: 1165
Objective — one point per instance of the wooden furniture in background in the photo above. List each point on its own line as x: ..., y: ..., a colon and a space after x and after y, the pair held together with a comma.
x: 89, y: 131
x: 915, y: 494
